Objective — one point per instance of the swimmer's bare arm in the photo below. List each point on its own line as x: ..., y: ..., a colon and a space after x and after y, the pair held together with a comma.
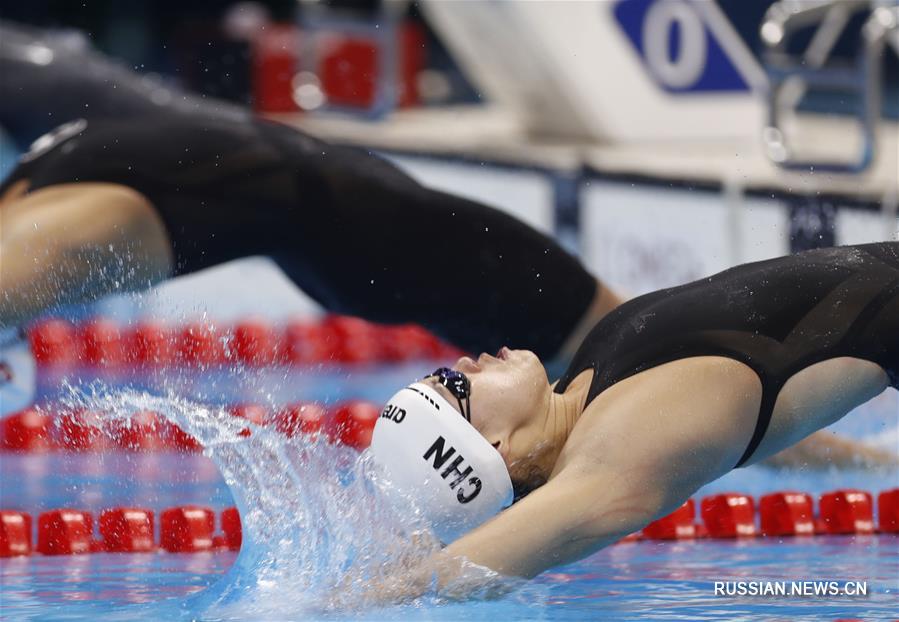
x: 74, y: 243
x: 563, y: 521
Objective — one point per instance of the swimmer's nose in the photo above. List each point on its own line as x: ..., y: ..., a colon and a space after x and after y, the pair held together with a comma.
x: 467, y: 364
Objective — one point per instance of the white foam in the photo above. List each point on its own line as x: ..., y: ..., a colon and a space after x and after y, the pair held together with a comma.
x: 318, y: 529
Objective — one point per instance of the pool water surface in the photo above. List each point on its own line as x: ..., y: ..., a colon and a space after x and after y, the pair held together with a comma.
x: 654, y: 580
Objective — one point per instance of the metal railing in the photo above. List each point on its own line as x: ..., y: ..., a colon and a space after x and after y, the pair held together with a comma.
x: 792, y: 75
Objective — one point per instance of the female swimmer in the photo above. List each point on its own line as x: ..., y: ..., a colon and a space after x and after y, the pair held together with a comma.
x: 668, y: 392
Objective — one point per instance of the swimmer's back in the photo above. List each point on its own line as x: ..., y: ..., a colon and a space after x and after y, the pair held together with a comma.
x: 777, y: 316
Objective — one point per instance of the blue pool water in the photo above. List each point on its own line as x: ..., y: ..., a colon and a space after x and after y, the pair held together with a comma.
x: 650, y: 580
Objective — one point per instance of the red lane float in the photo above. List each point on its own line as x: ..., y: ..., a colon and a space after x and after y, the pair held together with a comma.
x: 190, y: 528
x: 786, y: 514
x: 177, y: 439
x: 410, y: 342
x: 187, y: 529
x: 147, y: 431
x: 123, y: 530
x: 15, y: 533
x: 201, y: 345
x: 100, y: 343
x: 302, y: 418
x: 846, y: 512
x: 729, y: 515
x: 151, y: 344
x: 254, y: 413
x: 231, y: 528
x: 28, y: 430
x: 254, y: 343
x: 356, y: 341
x: 676, y: 526
x: 888, y: 510
x: 83, y: 430
x: 127, y: 530
x: 65, y: 532
x: 142, y: 432
x: 306, y: 343
x: 354, y: 423
x: 53, y: 342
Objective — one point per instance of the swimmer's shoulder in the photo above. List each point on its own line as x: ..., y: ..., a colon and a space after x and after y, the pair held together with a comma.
x: 654, y: 418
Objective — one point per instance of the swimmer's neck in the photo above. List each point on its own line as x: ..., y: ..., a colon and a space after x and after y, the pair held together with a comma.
x: 562, y: 414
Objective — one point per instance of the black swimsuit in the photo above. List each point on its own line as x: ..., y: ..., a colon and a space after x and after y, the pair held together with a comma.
x: 348, y: 228
x: 778, y: 317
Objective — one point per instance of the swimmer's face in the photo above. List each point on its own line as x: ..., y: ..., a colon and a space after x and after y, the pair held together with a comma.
x: 510, y: 396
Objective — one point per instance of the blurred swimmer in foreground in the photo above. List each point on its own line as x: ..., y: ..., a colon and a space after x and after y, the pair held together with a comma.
x: 103, y: 206
x: 668, y: 392
x: 142, y: 182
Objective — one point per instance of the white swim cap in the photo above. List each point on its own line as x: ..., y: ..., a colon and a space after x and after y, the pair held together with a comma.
x: 429, y: 451
x: 18, y: 374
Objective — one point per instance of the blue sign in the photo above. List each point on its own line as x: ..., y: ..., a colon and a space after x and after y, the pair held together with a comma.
x: 678, y: 47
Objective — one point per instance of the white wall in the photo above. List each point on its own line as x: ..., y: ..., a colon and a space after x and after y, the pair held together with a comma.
x: 640, y: 238
x: 525, y: 194
x: 225, y: 293
x: 855, y: 226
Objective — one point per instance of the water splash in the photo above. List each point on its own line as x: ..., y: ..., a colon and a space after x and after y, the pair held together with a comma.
x: 318, y: 526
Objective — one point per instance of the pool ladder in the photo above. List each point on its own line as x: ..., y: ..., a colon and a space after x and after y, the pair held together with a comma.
x: 791, y: 75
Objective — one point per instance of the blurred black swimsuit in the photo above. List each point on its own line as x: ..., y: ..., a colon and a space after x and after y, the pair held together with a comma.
x: 347, y: 227
x: 778, y: 317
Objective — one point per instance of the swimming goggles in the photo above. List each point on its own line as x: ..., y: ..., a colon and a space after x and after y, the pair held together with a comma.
x: 458, y: 385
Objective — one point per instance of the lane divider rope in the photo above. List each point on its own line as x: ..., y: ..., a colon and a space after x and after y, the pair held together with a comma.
x: 253, y: 342
x: 191, y: 529
x: 52, y: 428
